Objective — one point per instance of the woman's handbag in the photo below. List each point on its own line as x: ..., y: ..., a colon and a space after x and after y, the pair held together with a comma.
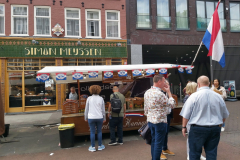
x: 145, y: 133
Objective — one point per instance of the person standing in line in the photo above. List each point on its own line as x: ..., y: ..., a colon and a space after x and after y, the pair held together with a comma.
x: 165, y: 149
x: 220, y: 90
x: 156, y: 105
x: 116, y: 119
x: 190, y: 89
x: 95, y: 115
x: 205, y: 111
x: 72, y: 95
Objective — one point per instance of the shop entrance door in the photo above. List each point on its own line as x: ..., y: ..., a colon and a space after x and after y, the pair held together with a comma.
x: 15, y: 91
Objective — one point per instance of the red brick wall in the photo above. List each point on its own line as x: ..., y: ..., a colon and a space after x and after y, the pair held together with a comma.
x: 57, y: 13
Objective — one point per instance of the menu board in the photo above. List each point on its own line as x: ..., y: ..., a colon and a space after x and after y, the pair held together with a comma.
x: 116, y: 78
x: 230, y: 88
x: 70, y: 107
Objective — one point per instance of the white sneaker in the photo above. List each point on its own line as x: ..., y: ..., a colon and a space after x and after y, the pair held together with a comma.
x: 202, y: 158
x: 223, y: 129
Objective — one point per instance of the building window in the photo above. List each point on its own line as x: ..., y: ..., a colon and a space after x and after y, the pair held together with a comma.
x: 143, y: 14
x: 20, y: 20
x: 93, y: 18
x: 2, y: 24
x: 84, y: 62
x: 163, y: 16
x: 113, y: 24
x: 205, y: 10
x: 42, y: 21
x: 72, y: 22
x: 235, y: 16
x: 182, y: 14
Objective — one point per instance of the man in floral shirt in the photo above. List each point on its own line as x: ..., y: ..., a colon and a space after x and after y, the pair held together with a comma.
x: 156, y: 108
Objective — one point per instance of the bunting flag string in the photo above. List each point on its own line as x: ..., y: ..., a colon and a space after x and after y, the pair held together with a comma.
x: 122, y: 73
x: 108, y: 74
x: 150, y: 71
x: 180, y: 70
x: 137, y: 72
x: 42, y: 77
x: 61, y: 76
x: 162, y: 70
x: 77, y: 75
x: 92, y: 74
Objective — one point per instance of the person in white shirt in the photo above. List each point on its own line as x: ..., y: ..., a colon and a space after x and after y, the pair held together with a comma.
x: 96, y: 116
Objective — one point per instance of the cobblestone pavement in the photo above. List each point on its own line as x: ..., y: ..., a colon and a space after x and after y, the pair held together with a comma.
x: 38, y: 143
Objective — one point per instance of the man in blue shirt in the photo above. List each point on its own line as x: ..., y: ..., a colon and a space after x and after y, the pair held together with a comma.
x: 205, y: 111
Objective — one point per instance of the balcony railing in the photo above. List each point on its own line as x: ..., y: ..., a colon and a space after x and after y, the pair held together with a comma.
x: 144, y: 22
x: 182, y: 23
x: 235, y: 25
x: 202, y: 24
x: 163, y: 22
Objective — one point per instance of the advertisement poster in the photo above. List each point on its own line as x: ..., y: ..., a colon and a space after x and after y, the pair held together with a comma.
x: 230, y: 88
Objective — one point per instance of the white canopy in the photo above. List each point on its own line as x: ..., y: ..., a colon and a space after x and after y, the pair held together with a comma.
x: 100, y: 68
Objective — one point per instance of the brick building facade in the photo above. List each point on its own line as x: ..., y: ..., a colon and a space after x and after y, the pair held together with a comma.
x: 170, y: 31
x: 35, y: 34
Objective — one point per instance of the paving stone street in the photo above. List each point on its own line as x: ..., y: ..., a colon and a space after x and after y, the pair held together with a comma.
x: 40, y: 142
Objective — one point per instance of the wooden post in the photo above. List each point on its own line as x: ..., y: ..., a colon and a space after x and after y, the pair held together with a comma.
x: 78, y: 90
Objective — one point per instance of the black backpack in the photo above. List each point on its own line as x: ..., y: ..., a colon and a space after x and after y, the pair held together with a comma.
x: 116, y: 104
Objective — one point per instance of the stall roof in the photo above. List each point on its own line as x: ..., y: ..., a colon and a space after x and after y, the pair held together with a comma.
x: 100, y: 68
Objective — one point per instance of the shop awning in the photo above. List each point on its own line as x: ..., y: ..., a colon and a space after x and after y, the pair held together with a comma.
x: 100, y: 68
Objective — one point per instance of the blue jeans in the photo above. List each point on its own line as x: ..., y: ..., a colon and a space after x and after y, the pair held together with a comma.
x: 165, y: 147
x: 113, y: 123
x: 93, y: 123
x: 207, y: 137
x: 158, y: 132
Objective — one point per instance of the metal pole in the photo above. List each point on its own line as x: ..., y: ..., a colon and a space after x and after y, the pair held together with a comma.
x: 211, y: 69
x: 180, y: 91
x: 197, y: 53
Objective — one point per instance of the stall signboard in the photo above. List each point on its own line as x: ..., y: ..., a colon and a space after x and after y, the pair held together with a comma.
x: 59, y: 48
x: 70, y: 107
x: 230, y: 88
x: 115, y: 77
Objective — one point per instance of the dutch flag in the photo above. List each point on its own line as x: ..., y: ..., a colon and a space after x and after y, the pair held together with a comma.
x: 213, y: 39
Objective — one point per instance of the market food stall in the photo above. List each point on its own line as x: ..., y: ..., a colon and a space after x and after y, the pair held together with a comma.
x: 133, y: 81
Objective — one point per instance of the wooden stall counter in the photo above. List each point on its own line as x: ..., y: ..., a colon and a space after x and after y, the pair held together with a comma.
x: 134, y: 120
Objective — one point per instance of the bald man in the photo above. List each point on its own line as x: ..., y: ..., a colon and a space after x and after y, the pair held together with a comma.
x: 205, y: 111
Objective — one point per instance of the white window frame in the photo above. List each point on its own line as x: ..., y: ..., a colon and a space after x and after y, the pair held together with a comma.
x: 100, y: 26
x: 3, y: 15
x: 35, y: 21
x: 119, y: 32
x: 65, y: 14
x: 12, y: 22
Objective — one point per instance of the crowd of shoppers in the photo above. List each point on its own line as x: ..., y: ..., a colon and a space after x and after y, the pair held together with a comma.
x: 204, y: 112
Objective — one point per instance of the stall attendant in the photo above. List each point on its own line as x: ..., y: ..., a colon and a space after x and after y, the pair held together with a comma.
x: 72, y: 95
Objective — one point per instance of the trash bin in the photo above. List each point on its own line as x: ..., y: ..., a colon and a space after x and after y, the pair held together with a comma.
x: 66, y: 134
x: 6, y: 130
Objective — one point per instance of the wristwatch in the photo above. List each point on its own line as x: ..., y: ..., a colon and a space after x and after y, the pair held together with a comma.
x: 184, y: 127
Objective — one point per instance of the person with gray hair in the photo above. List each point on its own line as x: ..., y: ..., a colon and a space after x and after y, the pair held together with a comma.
x: 156, y: 108
x: 205, y: 111
x: 72, y: 95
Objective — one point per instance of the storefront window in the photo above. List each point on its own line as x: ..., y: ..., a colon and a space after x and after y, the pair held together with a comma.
x: 116, y: 62
x: 15, y: 89
x: 38, y: 93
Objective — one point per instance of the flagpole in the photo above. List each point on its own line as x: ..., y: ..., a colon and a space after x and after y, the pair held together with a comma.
x: 211, y: 69
x: 197, y: 53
